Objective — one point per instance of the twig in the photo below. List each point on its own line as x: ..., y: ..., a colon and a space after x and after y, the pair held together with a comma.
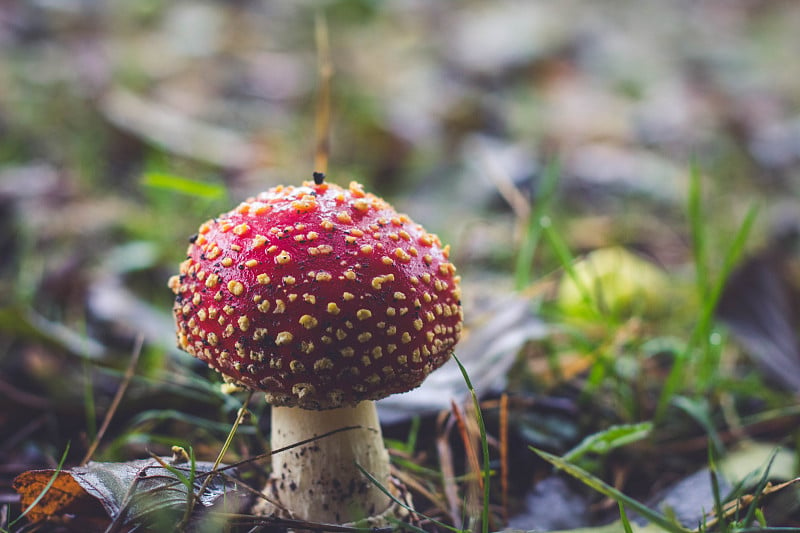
x: 445, y: 452
x: 504, y: 454
x: 239, y: 417
x: 123, y: 386
x: 466, y: 438
x: 323, y: 113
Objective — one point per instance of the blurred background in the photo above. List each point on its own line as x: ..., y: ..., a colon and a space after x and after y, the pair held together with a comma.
x: 123, y: 125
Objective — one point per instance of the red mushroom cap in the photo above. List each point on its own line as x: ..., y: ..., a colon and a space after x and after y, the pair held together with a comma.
x: 320, y: 296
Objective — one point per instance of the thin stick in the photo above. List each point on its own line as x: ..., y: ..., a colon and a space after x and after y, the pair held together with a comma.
x: 123, y: 386
x: 444, y: 424
x: 323, y: 113
x: 472, y: 455
x: 504, y: 454
x: 239, y: 417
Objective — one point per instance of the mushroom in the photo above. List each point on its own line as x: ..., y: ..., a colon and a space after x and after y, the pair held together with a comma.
x: 326, y: 299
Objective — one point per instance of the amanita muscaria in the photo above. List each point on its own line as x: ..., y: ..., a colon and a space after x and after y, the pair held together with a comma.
x: 326, y: 299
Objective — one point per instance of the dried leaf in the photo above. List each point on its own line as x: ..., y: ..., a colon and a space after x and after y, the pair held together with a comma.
x: 130, y: 493
x: 57, y: 502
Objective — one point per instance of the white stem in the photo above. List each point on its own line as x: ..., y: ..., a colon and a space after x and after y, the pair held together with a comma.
x: 319, y: 481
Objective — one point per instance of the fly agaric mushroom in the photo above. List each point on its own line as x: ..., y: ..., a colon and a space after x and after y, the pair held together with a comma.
x: 326, y: 299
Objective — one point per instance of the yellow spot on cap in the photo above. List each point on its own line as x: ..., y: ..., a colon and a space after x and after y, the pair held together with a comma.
x: 283, y: 258
x: 399, y: 296
x: 347, y: 352
x: 323, y: 363
x: 244, y: 323
x: 284, y: 337
x: 308, y: 321
x: 263, y: 306
x: 356, y: 189
x: 306, y: 347
x: 263, y: 279
x: 347, y: 296
x: 350, y: 274
x: 235, y: 287
x: 386, y: 260
x: 418, y: 324
x: 226, y: 262
x: 305, y: 204
x: 366, y: 249
x: 212, y: 280
x: 402, y: 255
x: 289, y: 280
x: 333, y: 308
x: 280, y: 306
x: 297, y: 366
x: 363, y: 314
x: 323, y: 276
x: 361, y: 205
x: 405, y: 338
x: 365, y: 336
x: 310, y: 298
x: 213, y: 253
x: 250, y: 263
x: 344, y: 217
x: 212, y: 339
x: 241, y: 229
x: 259, y: 241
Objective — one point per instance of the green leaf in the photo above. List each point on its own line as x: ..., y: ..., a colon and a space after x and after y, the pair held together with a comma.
x: 179, y: 184
x: 606, y: 490
x: 609, y: 439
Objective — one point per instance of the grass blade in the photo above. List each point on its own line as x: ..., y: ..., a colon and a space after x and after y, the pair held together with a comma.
x: 702, y: 330
x: 696, y: 225
x: 609, y: 439
x: 533, y: 229
x: 610, y: 492
x: 179, y: 184
x: 46, y: 488
x: 484, y: 447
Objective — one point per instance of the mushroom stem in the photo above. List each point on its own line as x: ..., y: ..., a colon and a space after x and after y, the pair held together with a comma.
x: 319, y: 481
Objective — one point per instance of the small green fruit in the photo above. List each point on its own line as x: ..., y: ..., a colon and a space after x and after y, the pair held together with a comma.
x: 613, y: 281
